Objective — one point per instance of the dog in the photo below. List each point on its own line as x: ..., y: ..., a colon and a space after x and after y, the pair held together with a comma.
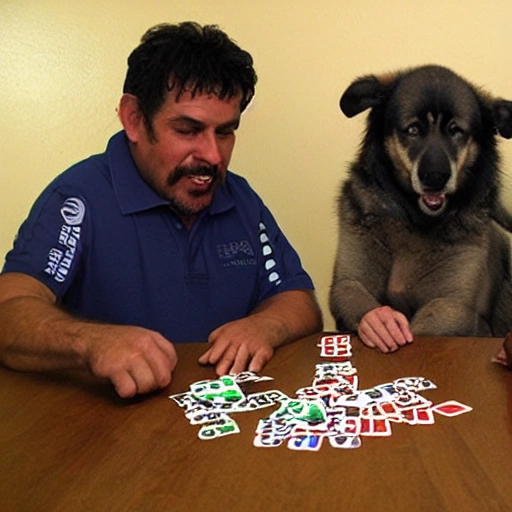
x: 421, y: 226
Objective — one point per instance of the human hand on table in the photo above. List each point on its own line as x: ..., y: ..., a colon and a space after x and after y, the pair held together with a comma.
x: 237, y: 346
x: 385, y: 329
x: 134, y: 359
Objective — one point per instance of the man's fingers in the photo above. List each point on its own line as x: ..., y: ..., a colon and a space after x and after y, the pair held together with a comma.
x: 205, y: 358
x: 239, y: 362
x: 214, y: 354
x: 169, y: 351
x: 161, y: 367
x: 226, y: 363
x: 124, y: 385
x: 260, y: 359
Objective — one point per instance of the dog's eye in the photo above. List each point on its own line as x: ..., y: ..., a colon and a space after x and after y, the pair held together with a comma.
x: 413, y: 130
x: 455, y: 131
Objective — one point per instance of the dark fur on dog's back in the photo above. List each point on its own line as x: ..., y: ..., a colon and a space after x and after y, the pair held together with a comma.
x: 418, y: 213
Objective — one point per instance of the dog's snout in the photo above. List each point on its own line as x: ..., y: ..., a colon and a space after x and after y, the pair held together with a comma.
x: 434, y: 170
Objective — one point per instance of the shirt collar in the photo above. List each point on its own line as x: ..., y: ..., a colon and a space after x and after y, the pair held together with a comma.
x: 135, y: 195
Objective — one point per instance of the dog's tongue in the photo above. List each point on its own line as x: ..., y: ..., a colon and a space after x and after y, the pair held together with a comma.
x: 433, y: 202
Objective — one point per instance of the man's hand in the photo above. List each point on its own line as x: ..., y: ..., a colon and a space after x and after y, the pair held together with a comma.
x: 237, y: 346
x: 249, y: 343
x: 134, y: 359
x: 385, y: 329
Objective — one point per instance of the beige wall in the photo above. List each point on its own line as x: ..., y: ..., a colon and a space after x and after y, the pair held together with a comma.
x: 62, y: 64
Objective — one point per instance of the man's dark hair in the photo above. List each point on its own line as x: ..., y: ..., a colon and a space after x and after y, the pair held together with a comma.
x: 187, y: 57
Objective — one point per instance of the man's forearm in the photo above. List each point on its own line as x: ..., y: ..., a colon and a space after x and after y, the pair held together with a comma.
x: 290, y: 315
x: 37, y: 336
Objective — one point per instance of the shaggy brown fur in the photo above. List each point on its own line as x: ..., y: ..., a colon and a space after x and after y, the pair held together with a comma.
x: 420, y: 219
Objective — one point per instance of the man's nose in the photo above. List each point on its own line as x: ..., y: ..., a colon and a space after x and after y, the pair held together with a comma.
x: 209, y: 150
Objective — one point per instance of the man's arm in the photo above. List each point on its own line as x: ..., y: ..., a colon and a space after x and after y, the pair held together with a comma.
x: 36, y: 335
x: 249, y: 343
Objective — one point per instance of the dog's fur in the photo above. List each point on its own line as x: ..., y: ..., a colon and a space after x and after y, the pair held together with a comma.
x: 420, y: 218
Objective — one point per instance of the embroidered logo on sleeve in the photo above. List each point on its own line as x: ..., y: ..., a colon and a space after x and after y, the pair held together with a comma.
x: 73, y: 211
x: 268, y: 254
x: 60, y: 259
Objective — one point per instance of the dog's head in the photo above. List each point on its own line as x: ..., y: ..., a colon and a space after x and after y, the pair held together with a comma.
x: 437, y: 130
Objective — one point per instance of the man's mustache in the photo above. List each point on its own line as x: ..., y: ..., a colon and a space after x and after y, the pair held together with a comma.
x: 184, y: 172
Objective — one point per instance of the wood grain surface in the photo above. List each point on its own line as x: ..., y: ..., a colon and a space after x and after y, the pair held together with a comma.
x: 69, y: 444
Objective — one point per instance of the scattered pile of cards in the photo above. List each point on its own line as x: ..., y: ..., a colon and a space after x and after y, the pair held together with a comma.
x: 332, y: 408
x: 209, y: 403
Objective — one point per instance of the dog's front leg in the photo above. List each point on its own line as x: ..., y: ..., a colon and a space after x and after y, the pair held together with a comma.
x: 349, y: 301
x: 448, y: 317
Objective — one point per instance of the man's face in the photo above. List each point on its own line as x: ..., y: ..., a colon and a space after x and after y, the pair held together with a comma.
x: 187, y: 155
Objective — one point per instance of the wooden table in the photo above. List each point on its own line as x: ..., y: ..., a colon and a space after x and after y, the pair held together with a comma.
x: 68, y: 444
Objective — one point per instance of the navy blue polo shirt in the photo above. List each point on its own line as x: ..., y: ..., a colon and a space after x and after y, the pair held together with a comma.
x: 111, y: 250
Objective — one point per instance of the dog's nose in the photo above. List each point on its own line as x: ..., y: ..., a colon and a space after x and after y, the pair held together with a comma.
x: 434, y: 170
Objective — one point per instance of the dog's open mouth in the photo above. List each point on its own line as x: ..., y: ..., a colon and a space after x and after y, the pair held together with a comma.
x: 432, y: 204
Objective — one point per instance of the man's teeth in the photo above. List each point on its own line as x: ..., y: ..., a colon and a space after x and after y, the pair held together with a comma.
x: 201, y: 179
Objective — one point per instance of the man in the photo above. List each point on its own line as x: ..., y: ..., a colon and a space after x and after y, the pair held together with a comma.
x: 154, y: 241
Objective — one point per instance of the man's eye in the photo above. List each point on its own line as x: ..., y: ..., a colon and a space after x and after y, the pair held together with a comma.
x: 187, y: 131
x: 225, y: 133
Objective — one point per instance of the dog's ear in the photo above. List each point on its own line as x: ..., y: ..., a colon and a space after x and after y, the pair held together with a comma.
x: 502, y: 111
x: 365, y: 92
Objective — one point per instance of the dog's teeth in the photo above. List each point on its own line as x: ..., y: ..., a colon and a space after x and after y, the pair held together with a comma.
x: 433, y: 201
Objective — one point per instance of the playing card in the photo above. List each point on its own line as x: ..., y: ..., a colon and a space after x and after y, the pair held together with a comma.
x: 333, y: 369
x: 451, y: 408
x: 335, y: 346
x: 268, y: 441
x: 346, y: 442
x: 375, y: 427
x: 222, y: 426
x: 414, y: 383
x: 260, y: 400
x: 221, y: 390
x: 184, y: 399
x: 390, y: 411
x: 271, y: 433
x: 305, y: 442
x: 424, y: 416
x: 334, y: 340
x: 249, y: 377
x: 309, y: 411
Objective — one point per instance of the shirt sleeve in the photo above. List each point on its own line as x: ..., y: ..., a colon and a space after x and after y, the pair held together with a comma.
x: 281, y: 269
x: 50, y: 242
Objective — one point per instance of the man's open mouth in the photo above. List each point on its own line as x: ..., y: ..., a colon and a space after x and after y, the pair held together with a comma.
x: 201, y: 180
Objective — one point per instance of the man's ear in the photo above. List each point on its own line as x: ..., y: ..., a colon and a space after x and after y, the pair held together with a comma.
x: 130, y: 116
